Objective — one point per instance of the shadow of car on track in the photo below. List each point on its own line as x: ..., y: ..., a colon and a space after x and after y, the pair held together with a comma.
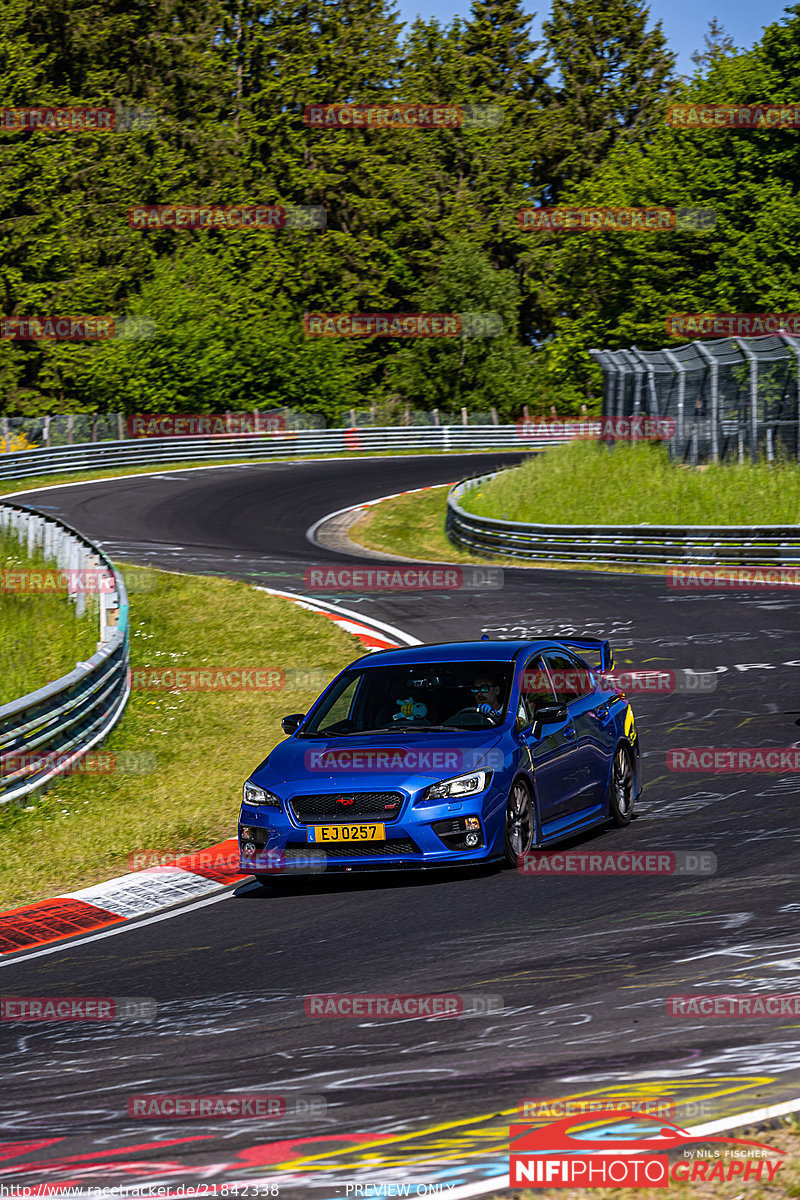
x: 359, y: 880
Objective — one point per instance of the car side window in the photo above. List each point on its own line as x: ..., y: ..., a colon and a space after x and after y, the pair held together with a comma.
x: 534, y: 688
x: 571, y: 678
x: 341, y: 708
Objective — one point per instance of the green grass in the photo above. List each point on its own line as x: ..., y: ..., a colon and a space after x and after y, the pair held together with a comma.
x: 41, y: 638
x: 205, y: 743
x: 412, y: 526
x: 590, y: 484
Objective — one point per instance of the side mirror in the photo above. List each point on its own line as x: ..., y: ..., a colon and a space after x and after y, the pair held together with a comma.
x: 292, y: 723
x: 550, y: 712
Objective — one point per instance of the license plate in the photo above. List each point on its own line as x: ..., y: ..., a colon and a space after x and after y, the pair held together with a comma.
x: 346, y: 833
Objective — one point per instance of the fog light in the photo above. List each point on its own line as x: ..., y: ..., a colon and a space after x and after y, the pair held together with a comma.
x: 471, y: 839
x: 472, y: 823
x: 248, y: 849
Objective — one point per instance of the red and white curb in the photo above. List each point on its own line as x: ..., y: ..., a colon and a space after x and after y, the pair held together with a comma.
x: 191, y: 876
x: 373, y: 634
x: 137, y: 894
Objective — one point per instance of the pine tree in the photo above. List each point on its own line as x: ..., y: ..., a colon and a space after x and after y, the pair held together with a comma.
x: 614, y: 74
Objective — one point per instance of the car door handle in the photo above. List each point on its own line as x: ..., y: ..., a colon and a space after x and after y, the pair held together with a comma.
x: 569, y: 733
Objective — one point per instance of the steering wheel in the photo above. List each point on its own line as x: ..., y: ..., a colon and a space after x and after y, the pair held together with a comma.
x: 474, y: 710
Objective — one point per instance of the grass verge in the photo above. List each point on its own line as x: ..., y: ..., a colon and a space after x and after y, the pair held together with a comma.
x: 205, y: 743
x: 41, y: 638
x: 590, y: 483
x: 412, y: 526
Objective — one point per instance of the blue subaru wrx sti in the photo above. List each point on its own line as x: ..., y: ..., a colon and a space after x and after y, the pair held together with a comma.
x: 444, y: 755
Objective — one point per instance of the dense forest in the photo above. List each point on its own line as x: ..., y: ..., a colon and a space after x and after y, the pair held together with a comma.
x: 416, y: 219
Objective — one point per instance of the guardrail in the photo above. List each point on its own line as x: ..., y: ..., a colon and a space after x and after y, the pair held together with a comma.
x: 44, y: 733
x: 144, y: 451
x: 634, y: 545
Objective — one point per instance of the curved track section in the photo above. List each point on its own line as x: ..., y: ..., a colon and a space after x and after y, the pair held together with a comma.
x: 583, y: 963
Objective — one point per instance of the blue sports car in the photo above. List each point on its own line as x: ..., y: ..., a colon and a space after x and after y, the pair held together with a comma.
x: 434, y: 756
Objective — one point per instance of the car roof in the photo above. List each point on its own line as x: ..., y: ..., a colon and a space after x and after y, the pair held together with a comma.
x: 441, y: 652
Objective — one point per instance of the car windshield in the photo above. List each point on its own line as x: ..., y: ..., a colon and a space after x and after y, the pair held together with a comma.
x: 430, y: 696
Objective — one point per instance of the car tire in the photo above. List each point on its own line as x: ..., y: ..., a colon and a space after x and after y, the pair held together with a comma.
x: 621, y: 787
x: 520, y: 830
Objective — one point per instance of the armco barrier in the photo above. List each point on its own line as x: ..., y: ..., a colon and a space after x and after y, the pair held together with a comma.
x: 53, y: 727
x: 635, y: 545
x: 90, y: 456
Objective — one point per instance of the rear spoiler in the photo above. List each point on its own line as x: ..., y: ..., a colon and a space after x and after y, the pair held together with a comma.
x: 599, y: 645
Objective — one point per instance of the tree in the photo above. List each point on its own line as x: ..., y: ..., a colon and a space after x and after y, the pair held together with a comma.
x: 614, y: 75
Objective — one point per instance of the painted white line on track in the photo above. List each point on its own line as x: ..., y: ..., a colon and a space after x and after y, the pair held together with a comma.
x: 336, y: 610
x: 8, y: 960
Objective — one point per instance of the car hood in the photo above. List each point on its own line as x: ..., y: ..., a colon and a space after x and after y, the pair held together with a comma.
x: 315, y: 763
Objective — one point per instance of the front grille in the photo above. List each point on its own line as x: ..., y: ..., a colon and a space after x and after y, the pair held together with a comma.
x: 347, y: 806
x: 393, y: 846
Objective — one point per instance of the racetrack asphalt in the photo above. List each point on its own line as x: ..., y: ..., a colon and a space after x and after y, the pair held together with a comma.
x: 583, y: 964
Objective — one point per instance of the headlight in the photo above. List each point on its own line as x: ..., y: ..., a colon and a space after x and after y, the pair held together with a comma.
x: 256, y: 795
x: 462, y: 785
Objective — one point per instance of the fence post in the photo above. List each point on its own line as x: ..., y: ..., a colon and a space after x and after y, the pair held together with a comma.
x: 495, y: 418
x: 752, y: 363
x: 677, y: 365
x: 712, y: 362
x: 464, y: 417
x: 436, y: 417
x: 794, y: 346
x: 47, y: 432
x: 120, y: 428
x: 69, y: 429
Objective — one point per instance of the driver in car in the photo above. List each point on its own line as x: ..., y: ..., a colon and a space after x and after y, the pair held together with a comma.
x: 487, y: 696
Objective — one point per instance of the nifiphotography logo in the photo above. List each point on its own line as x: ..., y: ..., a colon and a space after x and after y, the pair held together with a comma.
x: 551, y: 1156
